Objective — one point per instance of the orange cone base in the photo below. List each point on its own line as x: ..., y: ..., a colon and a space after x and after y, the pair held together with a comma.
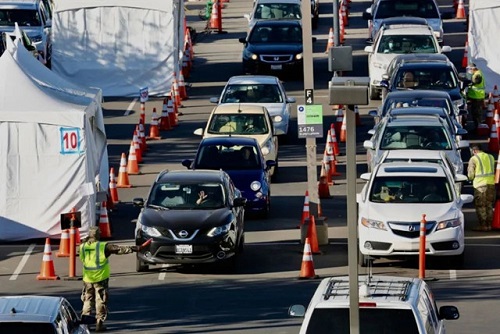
x: 43, y: 277
x: 152, y: 138
x: 124, y: 186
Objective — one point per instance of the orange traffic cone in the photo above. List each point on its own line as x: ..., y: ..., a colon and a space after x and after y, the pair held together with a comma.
x: 154, y: 132
x: 123, y: 181
x: 305, y: 209
x: 489, y: 113
x: 343, y: 131
x: 186, y: 63
x: 132, y: 166
x: 333, y: 136
x: 142, y: 116
x: 64, y: 244
x: 465, y: 58
x: 142, y: 137
x: 113, y: 191
x: 171, y: 111
x: 307, y: 267
x: 343, y: 11
x: 104, y: 226
x: 215, y: 18
x: 339, y: 119
x: 165, y: 120
x: 493, y: 140
x: 460, y: 10
x: 137, y: 146
x: 47, y: 271
x: 358, y: 117
x: 331, y: 42
x: 320, y: 210
x: 176, y: 96
x: 182, y: 87
x: 496, y: 97
x: 323, y: 188
x: 495, y: 224
x: 342, y: 29
x: 313, y: 236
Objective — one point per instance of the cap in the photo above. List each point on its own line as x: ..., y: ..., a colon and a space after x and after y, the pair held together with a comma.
x: 94, y: 232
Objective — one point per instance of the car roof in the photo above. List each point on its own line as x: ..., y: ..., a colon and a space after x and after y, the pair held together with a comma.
x: 203, y: 175
x: 415, y: 168
x: 415, y: 154
x: 415, y: 120
x: 277, y: 22
x: 234, y: 108
x: 419, y: 93
x: 252, y: 79
x: 406, y: 30
x: 422, y: 57
x: 418, y: 110
x: 277, y: 1
x: 404, y: 20
x: 229, y: 140
x: 29, y: 308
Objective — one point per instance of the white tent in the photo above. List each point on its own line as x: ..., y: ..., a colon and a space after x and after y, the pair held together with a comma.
x: 119, y: 46
x: 50, y: 153
x: 484, y: 50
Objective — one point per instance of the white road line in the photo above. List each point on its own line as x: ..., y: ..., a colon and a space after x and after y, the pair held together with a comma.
x: 130, y: 107
x: 161, y: 276
x: 21, y: 264
x: 453, y: 274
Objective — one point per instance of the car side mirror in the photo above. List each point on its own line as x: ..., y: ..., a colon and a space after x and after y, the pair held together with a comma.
x: 247, y: 16
x: 373, y: 113
x: 270, y: 163
x: 138, y: 201
x: 242, y: 40
x: 187, y: 163
x: 198, y: 132
x: 461, y: 132
x: 449, y: 312
x: 291, y: 100
x: 368, y: 144
x: 384, y: 83
x: 239, y: 201
x: 214, y: 100
x: 369, y: 48
x: 367, y: 15
x: 446, y: 49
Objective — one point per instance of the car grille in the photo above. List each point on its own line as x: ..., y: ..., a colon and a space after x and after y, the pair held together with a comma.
x: 410, y: 229
x: 276, y: 59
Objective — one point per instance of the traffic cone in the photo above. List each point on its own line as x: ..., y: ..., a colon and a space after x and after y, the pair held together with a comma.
x: 496, y: 98
x: 186, y: 63
x: 142, y: 137
x: 343, y: 131
x: 358, y: 117
x: 176, y: 96
x: 465, y: 58
x: 64, y: 244
x: 495, y: 224
x: 460, y: 10
x: 333, y: 136
x: 307, y: 267
x: 132, y: 165
x: 154, y: 132
x: 182, y: 87
x: 215, y: 18
x: 331, y: 40
x: 489, y: 113
x: 104, y: 225
x: 171, y: 111
x: 305, y: 209
x: 47, y: 271
x: 142, y: 116
x: 320, y: 210
x: 493, y: 140
x: 339, y: 119
x: 323, y: 188
x: 343, y: 12
x: 325, y: 168
x: 113, y: 191
x: 342, y: 29
x: 312, y: 235
x: 165, y: 120
x: 137, y: 146
x: 123, y: 181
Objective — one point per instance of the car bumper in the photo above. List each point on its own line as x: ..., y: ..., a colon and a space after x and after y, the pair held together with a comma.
x: 261, y: 67
x: 163, y: 250
x: 254, y: 203
x: 385, y: 243
x: 281, y: 128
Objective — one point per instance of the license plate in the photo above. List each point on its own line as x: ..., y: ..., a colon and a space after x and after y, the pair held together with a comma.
x: 183, y: 249
x: 276, y: 67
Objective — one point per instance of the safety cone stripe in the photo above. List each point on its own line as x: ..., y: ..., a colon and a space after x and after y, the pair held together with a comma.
x: 460, y: 10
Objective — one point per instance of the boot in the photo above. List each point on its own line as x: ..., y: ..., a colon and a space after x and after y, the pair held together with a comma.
x: 100, y: 327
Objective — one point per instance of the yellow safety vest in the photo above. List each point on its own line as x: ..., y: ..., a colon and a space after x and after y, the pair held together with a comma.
x: 477, y: 91
x: 485, y: 170
x: 95, y: 264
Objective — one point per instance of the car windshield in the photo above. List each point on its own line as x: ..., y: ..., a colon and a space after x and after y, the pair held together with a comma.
x: 276, y: 34
x: 415, y: 137
x: 277, y: 11
x: 184, y: 196
x: 255, y: 93
x: 27, y: 328
x: 432, y: 78
x: 238, y: 124
x: 407, y: 44
x: 409, y: 189
x: 418, y: 8
x: 23, y: 17
x: 228, y: 157
x: 372, y: 321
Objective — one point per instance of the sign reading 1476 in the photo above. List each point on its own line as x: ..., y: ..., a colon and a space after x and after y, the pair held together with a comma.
x: 310, y: 121
x: 70, y: 140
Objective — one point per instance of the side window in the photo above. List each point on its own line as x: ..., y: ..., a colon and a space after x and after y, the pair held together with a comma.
x: 69, y: 314
x: 428, y: 313
x: 43, y: 14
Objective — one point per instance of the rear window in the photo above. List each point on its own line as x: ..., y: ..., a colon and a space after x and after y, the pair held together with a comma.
x: 418, y: 8
x: 372, y: 321
x: 27, y: 328
x: 23, y: 17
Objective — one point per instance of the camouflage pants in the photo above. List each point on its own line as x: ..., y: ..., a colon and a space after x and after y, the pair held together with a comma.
x: 484, y: 200
x: 95, y: 295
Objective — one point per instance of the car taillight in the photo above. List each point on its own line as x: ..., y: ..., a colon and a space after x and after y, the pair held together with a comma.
x: 367, y: 304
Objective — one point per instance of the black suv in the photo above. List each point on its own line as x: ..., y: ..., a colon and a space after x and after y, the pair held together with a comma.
x: 193, y: 216
x: 424, y: 71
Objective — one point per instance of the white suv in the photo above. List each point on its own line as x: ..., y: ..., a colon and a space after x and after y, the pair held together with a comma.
x: 391, y: 205
x: 387, y: 304
x: 33, y: 18
x: 399, y: 35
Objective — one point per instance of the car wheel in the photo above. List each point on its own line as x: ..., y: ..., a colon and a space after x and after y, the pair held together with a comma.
x: 140, y: 266
x: 374, y: 94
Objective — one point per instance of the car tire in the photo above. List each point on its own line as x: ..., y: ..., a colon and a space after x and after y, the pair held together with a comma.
x: 140, y: 266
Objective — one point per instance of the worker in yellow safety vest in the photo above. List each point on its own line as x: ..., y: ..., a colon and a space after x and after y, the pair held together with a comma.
x: 481, y: 171
x: 476, y: 95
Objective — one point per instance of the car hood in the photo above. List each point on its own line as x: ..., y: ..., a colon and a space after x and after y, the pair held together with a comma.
x: 177, y: 219
x: 275, y: 48
x: 261, y: 139
x: 409, y: 212
x: 243, y: 178
x: 383, y: 58
x: 273, y: 108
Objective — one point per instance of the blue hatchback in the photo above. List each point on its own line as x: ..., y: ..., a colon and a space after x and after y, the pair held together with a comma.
x: 242, y: 159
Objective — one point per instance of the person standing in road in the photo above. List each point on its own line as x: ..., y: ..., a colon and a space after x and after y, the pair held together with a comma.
x: 481, y: 171
x: 476, y: 95
x: 96, y: 272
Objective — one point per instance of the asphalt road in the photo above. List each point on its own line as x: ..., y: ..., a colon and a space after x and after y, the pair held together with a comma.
x: 253, y: 298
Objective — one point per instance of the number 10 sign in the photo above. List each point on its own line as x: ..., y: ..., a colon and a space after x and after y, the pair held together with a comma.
x: 70, y: 141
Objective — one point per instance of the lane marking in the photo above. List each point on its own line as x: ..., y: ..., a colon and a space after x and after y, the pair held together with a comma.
x: 453, y: 274
x: 161, y: 276
x: 22, y: 263
x: 130, y: 107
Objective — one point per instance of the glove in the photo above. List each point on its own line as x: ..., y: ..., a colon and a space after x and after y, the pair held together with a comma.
x: 135, y: 248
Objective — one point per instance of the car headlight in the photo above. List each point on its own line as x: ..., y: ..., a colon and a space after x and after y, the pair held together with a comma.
x: 36, y: 38
x: 219, y: 230
x: 277, y: 118
x: 448, y: 224
x: 370, y: 223
x: 255, y: 185
x: 151, y: 231
x: 298, y: 56
x: 249, y: 55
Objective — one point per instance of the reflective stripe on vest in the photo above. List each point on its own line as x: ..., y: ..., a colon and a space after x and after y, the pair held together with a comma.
x: 477, y: 91
x: 485, y: 170
x: 95, y: 263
